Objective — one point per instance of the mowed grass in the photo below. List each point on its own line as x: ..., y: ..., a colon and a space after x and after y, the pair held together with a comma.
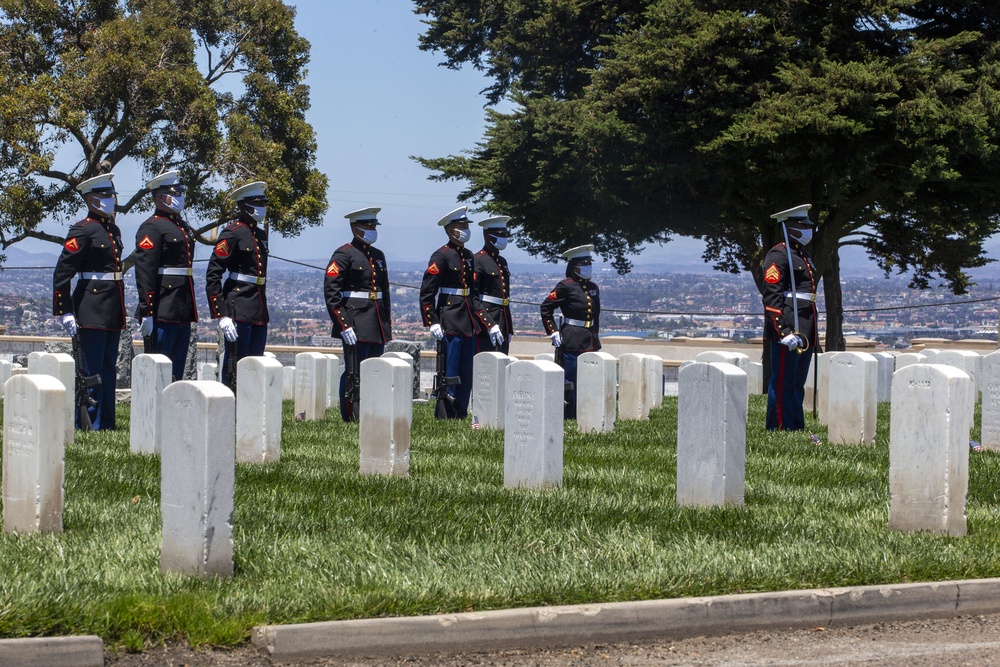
x: 314, y: 540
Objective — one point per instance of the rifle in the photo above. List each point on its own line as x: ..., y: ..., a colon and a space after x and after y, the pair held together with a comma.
x: 441, y: 384
x: 352, y: 389
x: 229, y: 372
x: 83, y: 383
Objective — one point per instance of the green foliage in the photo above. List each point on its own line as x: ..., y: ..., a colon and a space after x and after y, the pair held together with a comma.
x: 211, y: 87
x: 315, y: 540
x: 702, y: 118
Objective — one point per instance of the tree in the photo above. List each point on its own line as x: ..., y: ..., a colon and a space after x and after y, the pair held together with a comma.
x: 701, y: 118
x: 213, y: 88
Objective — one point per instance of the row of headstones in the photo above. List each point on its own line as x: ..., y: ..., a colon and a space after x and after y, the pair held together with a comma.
x: 607, y: 389
x: 928, y: 447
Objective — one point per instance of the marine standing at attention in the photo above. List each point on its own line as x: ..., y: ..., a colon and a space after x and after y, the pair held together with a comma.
x: 164, y: 277
x: 236, y: 277
x: 95, y: 312
x: 579, y: 299
x: 493, y: 283
x: 788, y: 291
x: 450, y: 307
x: 356, y: 290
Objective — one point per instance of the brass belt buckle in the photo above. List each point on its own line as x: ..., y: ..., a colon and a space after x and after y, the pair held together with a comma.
x: 373, y: 295
x: 260, y: 280
x: 505, y: 302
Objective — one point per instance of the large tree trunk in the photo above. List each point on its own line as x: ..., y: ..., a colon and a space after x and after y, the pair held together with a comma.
x: 834, y: 305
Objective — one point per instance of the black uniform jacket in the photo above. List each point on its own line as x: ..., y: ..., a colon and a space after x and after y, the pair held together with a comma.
x: 779, y: 315
x: 242, y: 248
x: 359, y: 268
x: 493, y: 280
x: 578, y: 300
x: 93, y: 245
x: 451, y: 267
x: 165, y: 241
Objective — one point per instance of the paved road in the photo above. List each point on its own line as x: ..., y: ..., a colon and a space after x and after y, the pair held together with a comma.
x: 966, y: 640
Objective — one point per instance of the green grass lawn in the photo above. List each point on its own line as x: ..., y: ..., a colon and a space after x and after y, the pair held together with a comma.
x: 315, y: 541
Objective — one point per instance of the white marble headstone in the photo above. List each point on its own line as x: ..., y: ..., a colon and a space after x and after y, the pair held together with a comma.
x: 151, y: 374
x: 197, y: 479
x: 596, y: 380
x: 386, y: 407
x: 711, y: 434
x: 632, y: 379
x: 62, y: 367
x: 310, y: 385
x: 533, y: 433
x: 258, y: 409
x: 852, y: 404
x: 929, y: 449
x: 489, y: 382
x: 33, y: 454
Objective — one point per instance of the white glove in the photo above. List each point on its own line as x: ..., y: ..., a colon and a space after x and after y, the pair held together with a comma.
x: 791, y: 341
x: 495, y: 336
x: 146, y: 326
x: 437, y: 331
x: 348, y: 336
x: 556, y: 339
x: 69, y: 323
x: 228, y: 328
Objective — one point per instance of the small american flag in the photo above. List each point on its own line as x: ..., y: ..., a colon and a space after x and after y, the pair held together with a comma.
x: 975, y: 446
x: 475, y: 423
x: 300, y: 417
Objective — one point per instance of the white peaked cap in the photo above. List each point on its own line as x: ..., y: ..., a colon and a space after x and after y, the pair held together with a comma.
x: 496, y: 222
x: 579, y: 252
x: 800, y: 211
x: 102, y: 183
x: 164, y: 180
x: 255, y: 189
x: 455, y: 216
x: 364, y: 215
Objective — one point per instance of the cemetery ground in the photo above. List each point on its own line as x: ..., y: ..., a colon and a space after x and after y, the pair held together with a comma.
x: 314, y: 540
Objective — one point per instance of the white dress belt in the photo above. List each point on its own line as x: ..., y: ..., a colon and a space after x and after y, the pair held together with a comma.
x: 494, y: 299
x: 174, y: 271
x: 115, y: 275
x: 454, y: 291
x: 805, y: 296
x: 578, y: 323
x: 244, y: 278
x: 362, y: 295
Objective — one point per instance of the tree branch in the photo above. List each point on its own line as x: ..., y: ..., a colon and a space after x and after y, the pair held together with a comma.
x: 220, y: 70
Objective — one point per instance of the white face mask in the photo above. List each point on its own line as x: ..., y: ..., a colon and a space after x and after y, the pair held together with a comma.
x: 258, y: 213
x: 369, y: 236
x: 462, y: 235
x: 106, y: 205
x: 803, y: 236
x: 500, y: 242
x: 174, y: 202
x: 585, y: 271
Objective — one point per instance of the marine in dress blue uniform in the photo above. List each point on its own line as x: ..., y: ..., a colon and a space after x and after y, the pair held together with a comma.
x: 164, y: 277
x: 450, y: 307
x: 236, y: 279
x: 579, y: 299
x: 356, y: 290
x: 493, y: 283
x: 95, y: 311
x: 789, y: 281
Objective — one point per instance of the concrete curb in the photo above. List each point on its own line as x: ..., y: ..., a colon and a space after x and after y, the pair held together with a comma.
x: 625, y: 621
x: 79, y: 651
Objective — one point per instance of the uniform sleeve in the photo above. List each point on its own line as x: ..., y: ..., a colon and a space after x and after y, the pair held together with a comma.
x: 552, y: 301
x: 218, y: 264
x: 772, y: 290
x: 68, y: 265
x: 429, y: 287
x: 148, y: 247
x: 333, y: 286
